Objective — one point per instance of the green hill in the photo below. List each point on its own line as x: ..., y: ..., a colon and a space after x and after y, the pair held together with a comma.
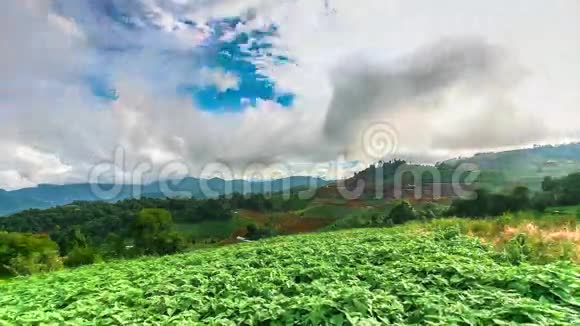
x: 528, y: 166
x: 365, y: 276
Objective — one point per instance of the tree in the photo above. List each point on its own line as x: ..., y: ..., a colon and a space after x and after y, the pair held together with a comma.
x: 255, y: 233
x: 24, y: 254
x: 566, y: 191
x: 492, y: 204
x: 520, y: 199
x: 114, y: 246
x: 549, y: 184
x: 570, y: 189
x: 213, y: 209
x: 82, y: 256
x: 73, y: 239
x: 479, y: 206
x: 152, y: 232
x: 402, y: 213
x: 541, y: 201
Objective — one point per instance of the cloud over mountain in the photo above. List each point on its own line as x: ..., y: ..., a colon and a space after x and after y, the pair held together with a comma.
x: 242, y: 82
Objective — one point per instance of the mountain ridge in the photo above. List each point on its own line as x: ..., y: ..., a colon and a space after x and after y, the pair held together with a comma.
x: 49, y: 195
x: 525, y: 164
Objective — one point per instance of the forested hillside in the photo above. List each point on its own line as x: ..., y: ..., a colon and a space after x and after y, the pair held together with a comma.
x: 528, y: 166
x: 498, y: 172
x: 45, y: 196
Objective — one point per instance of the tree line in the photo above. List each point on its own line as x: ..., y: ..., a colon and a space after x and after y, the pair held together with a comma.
x: 86, y: 232
x: 555, y: 192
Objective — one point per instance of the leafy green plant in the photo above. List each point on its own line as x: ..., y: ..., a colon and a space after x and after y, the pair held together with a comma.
x: 402, y: 213
x: 517, y: 249
x: 82, y: 256
x: 353, y: 277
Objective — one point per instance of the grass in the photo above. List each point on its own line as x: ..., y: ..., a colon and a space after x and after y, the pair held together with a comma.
x: 212, y: 230
x: 536, y: 238
x: 4, y: 278
x: 565, y: 210
x: 542, y: 238
x: 338, y: 211
x: 353, y: 277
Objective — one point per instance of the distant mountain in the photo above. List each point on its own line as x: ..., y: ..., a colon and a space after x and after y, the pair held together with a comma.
x: 499, y: 171
x: 523, y: 166
x: 45, y: 196
x: 535, y: 158
x: 528, y: 166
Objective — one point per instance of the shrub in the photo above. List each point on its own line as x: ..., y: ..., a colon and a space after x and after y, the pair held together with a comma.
x: 82, y: 256
x: 541, y: 201
x: 25, y: 254
x: 448, y: 233
x: 402, y: 213
x: 114, y: 246
x: 255, y: 233
x: 517, y: 249
x: 153, y: 233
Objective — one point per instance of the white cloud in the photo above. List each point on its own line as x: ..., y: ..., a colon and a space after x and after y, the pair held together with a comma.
x: 223, y: 80
x: 54, y: 130
x: 12, y: 180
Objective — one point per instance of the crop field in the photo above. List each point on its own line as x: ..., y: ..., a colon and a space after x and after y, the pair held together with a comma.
x: 286, y: 222
x: 541, y: 238
x: 213, y: 229
x: 362, y: 277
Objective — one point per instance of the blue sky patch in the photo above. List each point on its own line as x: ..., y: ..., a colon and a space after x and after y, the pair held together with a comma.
x: 119, y: 28
x: 101, y: 87
x: 236, y: 57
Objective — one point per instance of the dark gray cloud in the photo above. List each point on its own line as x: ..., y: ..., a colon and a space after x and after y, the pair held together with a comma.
x: 501, y: 124
x: 364, y: 91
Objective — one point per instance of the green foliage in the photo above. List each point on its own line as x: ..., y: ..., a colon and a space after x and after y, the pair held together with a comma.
x: 74, y: 238
x: 542, y: 200
x: 356, y: 221
x: 388, y: 216
x: 362, y: 218
x: 566, y: 191
x: 114, y: 246
x: 153, y: 233
x: 387, y: 170
x: 255, y: 232
x: 331, y: 211
x: 213, y: 209
x: 521, y: 199
x: 403, y: 213
x: 80, y: 256
x: 152, y: 220
x: 354, y: 277
x: 517, y: 249
x: 84, y: 224
x: 549, y: 184
x: 268, y: 202
x: 494, y: 204
x: 207, y: 230
x: 521, y: 237
x: 530, y: 248
x: 25, y: 254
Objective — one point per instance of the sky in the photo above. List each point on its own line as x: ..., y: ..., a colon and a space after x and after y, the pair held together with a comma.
x: 296, y: 83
